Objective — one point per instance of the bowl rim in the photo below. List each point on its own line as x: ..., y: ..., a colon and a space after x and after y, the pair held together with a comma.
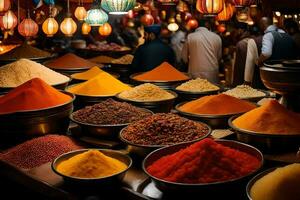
x: 210, y: 116
x: 259, y: 134
x: 221, y: 88
x: 258, y: 176
x: 104, y: 125
x: 46, y: 63
x: 53, y: 55
x: 174, y: 94
x: 84, y: 150
x: 127, y: 142
x: 44, y: 109
x: 205, y: 184
x: 266, y: 94
x: 157, y: 81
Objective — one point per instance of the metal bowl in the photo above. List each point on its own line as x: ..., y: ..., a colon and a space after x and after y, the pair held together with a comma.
x: 268, y: 143
x: 112, y: 180
x: 101, y: 130
x: 256, y: 178
x: 143, y: 150
x: 36, y: 59
x: 202, y: 188
x: 167, y: 85
x: 189, y: 96
x: 61, y: 86
x: 215, y: 121
x: 19, y: 126
x: 162, y: 106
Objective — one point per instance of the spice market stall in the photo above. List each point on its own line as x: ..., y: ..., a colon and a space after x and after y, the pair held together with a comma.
x: 80, y: 119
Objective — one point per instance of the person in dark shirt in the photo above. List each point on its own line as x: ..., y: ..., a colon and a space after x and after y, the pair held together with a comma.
x: 153, y: 52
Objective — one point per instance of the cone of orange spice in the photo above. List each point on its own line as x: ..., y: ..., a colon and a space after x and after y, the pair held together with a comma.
x: 163, y: 72
x: 220, y: 104
x: 34, y: 94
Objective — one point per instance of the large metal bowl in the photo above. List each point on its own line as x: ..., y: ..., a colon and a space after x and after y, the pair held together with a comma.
x: 189, y: 96
x: 215, y: 121
x: 111, y: 181
x: 201, y: 188
x: 268, y: 143
x: 19, y: 126
x: 162, y: 106
x: 167, y: 85
x: 143, y: 150
x: 109, y: 131
x: 254, y: 179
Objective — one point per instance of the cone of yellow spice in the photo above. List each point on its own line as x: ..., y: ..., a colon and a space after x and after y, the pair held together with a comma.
x: 103, y: 84
x: 87, y: 75
x: 91, y: 164
x: 270, y: 118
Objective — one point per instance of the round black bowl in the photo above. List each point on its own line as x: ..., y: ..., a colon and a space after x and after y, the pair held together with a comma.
x: 101, y: 130
x: 19, y: 126
x: 143, y: 150
x: 162, y: 106
x: 167, y: 85
x: 112, y: 180
x: 189, y: 96
x: 268, y: 143
x: 215, y: 121
x: 202, y: 188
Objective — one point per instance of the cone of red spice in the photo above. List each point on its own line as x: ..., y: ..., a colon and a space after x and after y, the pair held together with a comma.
x: 205, y: 161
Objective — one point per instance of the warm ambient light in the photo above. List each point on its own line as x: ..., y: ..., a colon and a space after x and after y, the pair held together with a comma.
x: 85, y: 29
x: 147, y: 19
x: 105, y: 29
x: 173, y: 27
x: 192, y: 24
x: 4, y: 5
x: 243, y: 3
x: 226, y: 13
x: 210, y: 7
x: 118, y: 7
x: 8, y: 21
x: 50, y: 26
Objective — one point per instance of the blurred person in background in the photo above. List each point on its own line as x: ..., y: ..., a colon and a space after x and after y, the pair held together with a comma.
x: 153, y: 52
x: 292, y: 28
x: 202, y: 51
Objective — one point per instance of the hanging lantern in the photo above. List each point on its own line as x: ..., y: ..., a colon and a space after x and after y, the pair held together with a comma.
x: 118, y: 7
x: 4, y: 5
x: 68, y: 26
x: 80, y: 13
x: 226, y: 13
x: 192, y: 24
x: 242, y: 15
x: 173, y: 27
x: 221, y: 28
x: 96, y: 17
x: 50, y: 26
x: 147, y: 19
x: 85, y: 29
x: 168, y: 2
x: 178, y: 18
x: 8, y: 21
x: 182, y: 7
x: 210, y: 7
x: 243, y: 3
x: 105, y: 29
x: 28, y: 28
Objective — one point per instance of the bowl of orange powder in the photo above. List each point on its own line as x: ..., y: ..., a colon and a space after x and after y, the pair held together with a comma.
x: 165, y: 76
x: 271, y: 128
x: 34, y: 109
x: 211, y: 167
x: 215, y: 110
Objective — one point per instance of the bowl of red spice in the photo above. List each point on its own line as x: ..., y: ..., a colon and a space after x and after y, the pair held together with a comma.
x: 34, y: 109
x: 270, y: 127
x: 215, y: 110
x: 160, y: 130
x: 211, y: 167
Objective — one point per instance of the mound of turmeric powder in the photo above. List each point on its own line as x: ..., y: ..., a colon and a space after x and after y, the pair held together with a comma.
x: 91, y: 164
x: 270, y: 118
x: 220, y: 104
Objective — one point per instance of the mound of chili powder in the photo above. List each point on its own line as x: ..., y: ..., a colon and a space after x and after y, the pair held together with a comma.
x: 205, y: 161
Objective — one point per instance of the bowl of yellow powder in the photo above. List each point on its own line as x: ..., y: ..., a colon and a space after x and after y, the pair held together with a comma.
x: 276, y: 184
x: 90, y: 166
